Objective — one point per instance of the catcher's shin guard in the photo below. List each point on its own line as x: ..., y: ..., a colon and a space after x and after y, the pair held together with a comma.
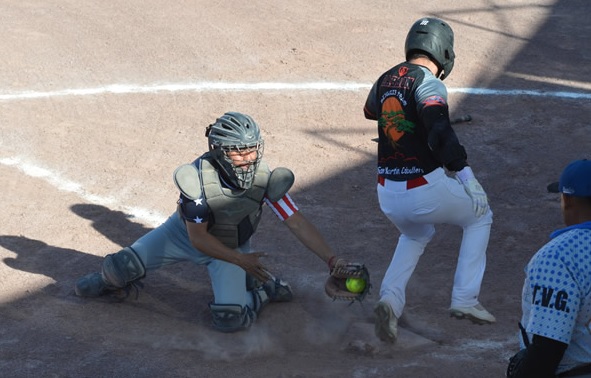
x: 119, y: 271
x: 231, y: 318
x: 122, y: 268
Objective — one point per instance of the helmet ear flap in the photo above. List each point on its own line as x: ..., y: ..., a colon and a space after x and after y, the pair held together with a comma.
x: 224, y: 165
x: 217, y: 154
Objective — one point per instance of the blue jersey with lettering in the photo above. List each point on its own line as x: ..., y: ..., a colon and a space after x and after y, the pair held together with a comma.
x: 557, y: 293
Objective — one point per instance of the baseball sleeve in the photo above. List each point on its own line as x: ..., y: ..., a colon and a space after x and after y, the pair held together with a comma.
x: 284, y: 208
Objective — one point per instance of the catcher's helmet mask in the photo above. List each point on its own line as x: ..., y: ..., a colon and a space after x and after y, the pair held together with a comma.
x: 435, y: 38
x: 235, y: 132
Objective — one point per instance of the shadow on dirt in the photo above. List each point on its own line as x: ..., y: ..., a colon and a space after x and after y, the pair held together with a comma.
x: 114, y: 225
x: 35, y: 256
x: 65, y: 266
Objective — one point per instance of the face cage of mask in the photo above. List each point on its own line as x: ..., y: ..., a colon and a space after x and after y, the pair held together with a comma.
x: 245, y: 174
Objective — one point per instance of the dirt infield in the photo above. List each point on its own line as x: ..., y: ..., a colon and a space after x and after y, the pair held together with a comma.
x: 101, y: 100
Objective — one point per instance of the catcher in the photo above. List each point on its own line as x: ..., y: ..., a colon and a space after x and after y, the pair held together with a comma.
x: 221, y: 198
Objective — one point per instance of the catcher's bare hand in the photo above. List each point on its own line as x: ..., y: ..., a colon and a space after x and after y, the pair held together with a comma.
x: 251, y: 264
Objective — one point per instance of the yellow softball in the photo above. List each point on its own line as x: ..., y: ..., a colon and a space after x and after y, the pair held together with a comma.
x: 355, y: 284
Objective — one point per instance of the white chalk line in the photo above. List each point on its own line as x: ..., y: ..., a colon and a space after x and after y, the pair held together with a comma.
x: 185, y: 87
x: 268, y: 86
x: 522, y: 92
x: 149, y: 216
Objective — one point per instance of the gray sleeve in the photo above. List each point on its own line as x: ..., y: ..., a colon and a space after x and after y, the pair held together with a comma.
x: 430, y: 87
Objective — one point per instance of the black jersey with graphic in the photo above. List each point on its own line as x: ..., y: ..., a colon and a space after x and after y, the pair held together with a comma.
x: 397, y: 101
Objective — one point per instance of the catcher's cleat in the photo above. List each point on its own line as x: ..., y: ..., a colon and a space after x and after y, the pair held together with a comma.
x: 476, y: 314
x: 386, y: 327
x: 91, y: 285
x: 278, y: 290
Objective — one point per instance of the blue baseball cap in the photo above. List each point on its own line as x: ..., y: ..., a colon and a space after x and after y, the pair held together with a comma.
x: 575, y: 180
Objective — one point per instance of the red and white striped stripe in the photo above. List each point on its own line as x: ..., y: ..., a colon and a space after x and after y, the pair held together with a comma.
x: 284, y: 208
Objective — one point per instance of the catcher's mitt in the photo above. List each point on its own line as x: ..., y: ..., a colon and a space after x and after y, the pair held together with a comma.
x: 336, y: 284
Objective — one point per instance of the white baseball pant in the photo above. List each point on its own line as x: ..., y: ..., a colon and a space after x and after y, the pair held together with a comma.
x: 415, y: 212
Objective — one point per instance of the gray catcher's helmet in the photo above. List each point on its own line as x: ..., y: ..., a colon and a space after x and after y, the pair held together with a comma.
x: 235, y: 131
x: 435, y: 38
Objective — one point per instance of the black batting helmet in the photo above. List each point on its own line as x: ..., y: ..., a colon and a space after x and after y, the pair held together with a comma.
x: 435, y: 38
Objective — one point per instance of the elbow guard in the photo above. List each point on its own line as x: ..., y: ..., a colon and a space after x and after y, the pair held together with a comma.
x: 442, y: 139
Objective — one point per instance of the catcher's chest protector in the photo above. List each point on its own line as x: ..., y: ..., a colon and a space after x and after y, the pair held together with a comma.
x: 236, y: 214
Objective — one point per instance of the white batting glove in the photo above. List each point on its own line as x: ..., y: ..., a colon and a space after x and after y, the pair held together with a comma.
x: 474, y: 190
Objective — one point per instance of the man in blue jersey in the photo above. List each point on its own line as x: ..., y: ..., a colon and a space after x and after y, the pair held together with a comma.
x: 556, y: 302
